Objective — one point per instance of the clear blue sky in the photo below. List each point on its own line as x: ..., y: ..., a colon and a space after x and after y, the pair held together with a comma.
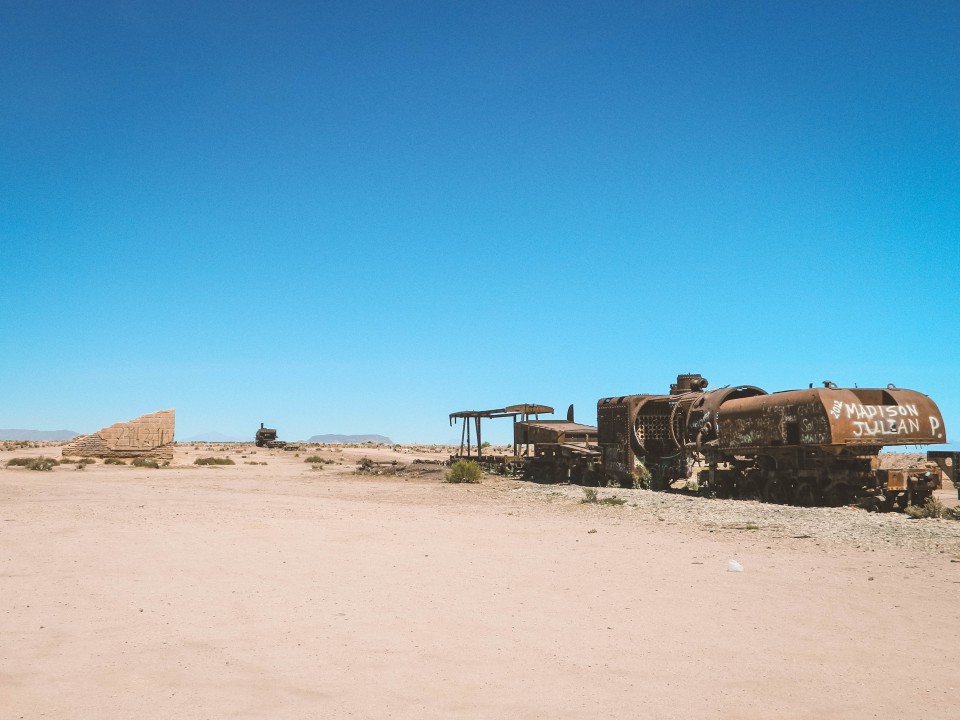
x: 357, y: 217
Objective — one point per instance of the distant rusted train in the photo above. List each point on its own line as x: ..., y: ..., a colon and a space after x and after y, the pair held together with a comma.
x: 818, y: 446
x: 267, y: 437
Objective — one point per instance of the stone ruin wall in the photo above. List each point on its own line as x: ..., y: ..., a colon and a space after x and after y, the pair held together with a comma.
x: 148, y: 436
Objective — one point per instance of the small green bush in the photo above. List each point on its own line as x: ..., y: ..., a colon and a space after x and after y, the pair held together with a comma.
x: 19, y: 462
x: 642, y: 478
x: 213, y: 461
x: 318, y: 460
x: 952, y: 513
x: 40, y: 463
x: 590, y: 496
x: 931, y: 508
x: 145, y: 463
x: 114, y: 461
x: 464, y: 471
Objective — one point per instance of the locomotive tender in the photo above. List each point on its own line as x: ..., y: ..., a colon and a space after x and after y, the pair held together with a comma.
x: 818, y: 446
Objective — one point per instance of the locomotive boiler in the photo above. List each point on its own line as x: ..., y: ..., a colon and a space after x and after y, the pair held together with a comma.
x: 817, y: 446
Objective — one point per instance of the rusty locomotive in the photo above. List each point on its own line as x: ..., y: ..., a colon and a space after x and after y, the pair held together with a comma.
x: 267, y: 437
x: 816, y: 446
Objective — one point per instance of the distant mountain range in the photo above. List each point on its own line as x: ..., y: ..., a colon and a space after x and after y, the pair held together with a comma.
x: 351, y: 439
x: 38, y: 435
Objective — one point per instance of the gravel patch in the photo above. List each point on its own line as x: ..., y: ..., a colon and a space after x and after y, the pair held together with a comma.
x: 842, y: 525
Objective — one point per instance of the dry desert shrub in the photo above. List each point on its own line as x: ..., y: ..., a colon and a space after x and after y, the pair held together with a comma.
x: 145, y: 463
x: 77, y: 461
x: 931, y: 508
x: 590, y: 495
x: 464, y: 471
x: 40, y: 463
x: 213, y: 461
x: 17, y: 444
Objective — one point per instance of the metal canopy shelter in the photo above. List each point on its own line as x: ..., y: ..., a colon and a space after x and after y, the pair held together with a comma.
x: 525, y: 412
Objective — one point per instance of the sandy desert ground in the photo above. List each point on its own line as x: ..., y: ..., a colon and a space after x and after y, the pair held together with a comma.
x: 287, y: 590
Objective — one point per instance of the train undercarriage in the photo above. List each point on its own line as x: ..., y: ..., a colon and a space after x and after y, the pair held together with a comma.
x: 814, y: 479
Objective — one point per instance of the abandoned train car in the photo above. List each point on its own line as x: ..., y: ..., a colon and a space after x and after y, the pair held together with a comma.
x: 816, y: 446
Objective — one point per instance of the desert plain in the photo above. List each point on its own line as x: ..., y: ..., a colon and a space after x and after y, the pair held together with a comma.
x: 279, y: 588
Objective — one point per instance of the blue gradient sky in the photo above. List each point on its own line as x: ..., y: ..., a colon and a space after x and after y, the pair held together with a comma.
x: 360, y: 216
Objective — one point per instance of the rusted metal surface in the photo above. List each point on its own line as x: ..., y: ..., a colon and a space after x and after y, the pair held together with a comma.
x: 895, y: 479
x: 813, y: 446
x: 949, y: 463
x: 537, y: 432
x: 471, y: 420
x: 616, y: 438
x: 703, y: 411
x: 267, y: 437
x: 563, y: 450
x: 661, y: 433
x: 688, y: 382
x: 831, y: 416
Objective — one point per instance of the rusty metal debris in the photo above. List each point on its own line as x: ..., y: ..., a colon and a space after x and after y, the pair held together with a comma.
x: 561, y: 449
x: 472, y: 421
x: 949, y: 463
x: 816, y: 446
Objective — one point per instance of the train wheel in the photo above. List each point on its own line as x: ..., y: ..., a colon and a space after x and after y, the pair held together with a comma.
x: 747, y: 488
x: 891, y: 502
x: 770, y: 492
x: 805, y: 495
x: 917, y: 497
x: 835, y: 497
